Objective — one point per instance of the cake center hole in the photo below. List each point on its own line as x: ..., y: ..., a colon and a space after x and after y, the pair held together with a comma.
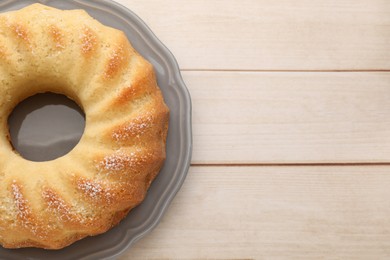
x: 46, y: 126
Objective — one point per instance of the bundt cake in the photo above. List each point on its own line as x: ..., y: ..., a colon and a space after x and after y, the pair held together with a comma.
x: 89, y: 190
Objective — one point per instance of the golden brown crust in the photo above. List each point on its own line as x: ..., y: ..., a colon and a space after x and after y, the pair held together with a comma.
x: 88, y: 42
x: 21, y: 33
x: 86, y: 192
x: 25, y: 217
x: 57, y: 36
x: 143, y: 84
x: 60, y: 209
x: 118, y: 58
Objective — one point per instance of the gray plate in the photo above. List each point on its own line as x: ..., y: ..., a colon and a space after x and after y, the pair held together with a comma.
x: 145, y: 217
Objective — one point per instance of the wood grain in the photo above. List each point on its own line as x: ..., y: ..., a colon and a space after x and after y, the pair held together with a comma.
x: 275, y: 213
x: 279, y: 82
x: 253, y: 117
x: 272, y: 35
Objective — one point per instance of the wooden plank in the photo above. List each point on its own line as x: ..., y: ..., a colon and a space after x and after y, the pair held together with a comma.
x: 275, y: 213
x: 272, y: 35
x: 253, y: 117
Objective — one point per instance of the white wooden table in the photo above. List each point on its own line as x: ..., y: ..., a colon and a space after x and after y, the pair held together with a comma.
x: 291, y: 124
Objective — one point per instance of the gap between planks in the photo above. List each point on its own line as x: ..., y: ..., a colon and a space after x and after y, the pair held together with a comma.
x: 305, y: 71
x: 349, y: 164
